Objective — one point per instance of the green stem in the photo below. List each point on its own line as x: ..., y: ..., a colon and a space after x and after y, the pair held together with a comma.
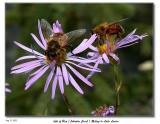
x: 117, y: 103
x: 45, y: 111
x: 67, y: 104
x: 46, y: 108
x: 118, y: 84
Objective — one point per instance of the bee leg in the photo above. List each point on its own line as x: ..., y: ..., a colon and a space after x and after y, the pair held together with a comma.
x: 119, y: 36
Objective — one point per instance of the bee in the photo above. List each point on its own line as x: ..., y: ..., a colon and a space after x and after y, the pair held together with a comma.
x: 105, y: 30
x: 108, y: 31
x: 57, y: 43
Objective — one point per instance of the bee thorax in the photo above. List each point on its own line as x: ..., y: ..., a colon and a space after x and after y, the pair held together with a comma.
x: 55, y: 52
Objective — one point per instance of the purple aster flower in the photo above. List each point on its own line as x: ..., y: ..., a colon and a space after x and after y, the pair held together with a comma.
x: 105, y: 52
x: 7, y: 90
x: 61, y: 67
x: 103, y: 111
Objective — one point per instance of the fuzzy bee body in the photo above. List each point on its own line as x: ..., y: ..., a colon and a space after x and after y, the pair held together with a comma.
x: 115, y: 29
x: 107, y: 34
x: 105, y: 30
x: 57, y: 43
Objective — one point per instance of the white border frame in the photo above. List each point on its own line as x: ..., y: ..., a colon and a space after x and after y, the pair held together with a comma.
x: 50, y: 120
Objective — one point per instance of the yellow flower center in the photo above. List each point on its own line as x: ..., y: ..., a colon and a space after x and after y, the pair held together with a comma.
x: 102, y: 48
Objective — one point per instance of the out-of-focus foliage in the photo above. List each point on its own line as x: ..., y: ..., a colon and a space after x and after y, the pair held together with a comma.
x: 137, y: 91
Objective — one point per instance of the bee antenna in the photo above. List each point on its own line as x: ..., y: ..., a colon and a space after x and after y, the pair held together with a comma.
x: 119, y: 21
x: 123, y: 19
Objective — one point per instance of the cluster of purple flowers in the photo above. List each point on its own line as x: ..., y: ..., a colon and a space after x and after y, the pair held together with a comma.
x: 103, y: 111
x: 61, y: 74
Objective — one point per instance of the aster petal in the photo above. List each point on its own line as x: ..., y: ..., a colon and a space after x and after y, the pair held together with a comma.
x: 7, y: 90
x: 130, y: 39
x: 26, y: 68
x: 54, y: 85
x: 80, y: 76
x: 94, y: 55
x: 95, y: 66
x: 41, y: 34
x: 65, y: 74
x: 89, y: 69
x: 81, y: 44
x: 75, y: 85
x: 127, y: 45
x: 78, y: 57
x: 101, y: 61
x: 81, y: 60
x: 133, y: 40
x: 35, y: 78
x: 69, y: 54
x: 90, y: 54
x: 108, y: 45
x: 132, y: 33
x: 28, y: 49
x: 115, y: 57
x: 93, y: 48
x: 85, y: 45
x: 37, y: 71
x: 51, y: 66
x: 128, y: 36
x: 105, y: 58
x: 25, y: 64
x: 25, y: 57
x: 57, y: 27
x: 88, y: 65
x: 60, y: 80
x: 111, y: 109
x: 49, y: 80
x: 37, y: 41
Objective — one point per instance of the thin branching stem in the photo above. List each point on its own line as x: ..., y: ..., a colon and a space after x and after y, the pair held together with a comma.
x: 118, y: 84
x: 67, y: 104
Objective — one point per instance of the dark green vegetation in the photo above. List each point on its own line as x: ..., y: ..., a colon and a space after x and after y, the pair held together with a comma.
x: 137, y: 93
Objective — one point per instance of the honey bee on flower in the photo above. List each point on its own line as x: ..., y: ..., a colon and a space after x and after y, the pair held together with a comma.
x: 105, y: 30
x: 108, y: 41
x: 60, y: 63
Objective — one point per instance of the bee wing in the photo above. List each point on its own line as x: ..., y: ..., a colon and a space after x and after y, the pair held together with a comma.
x: 73, y: 35
x: 46, y: 28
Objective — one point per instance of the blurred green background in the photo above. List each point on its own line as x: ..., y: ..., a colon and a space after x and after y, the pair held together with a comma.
x: 137, y: 93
